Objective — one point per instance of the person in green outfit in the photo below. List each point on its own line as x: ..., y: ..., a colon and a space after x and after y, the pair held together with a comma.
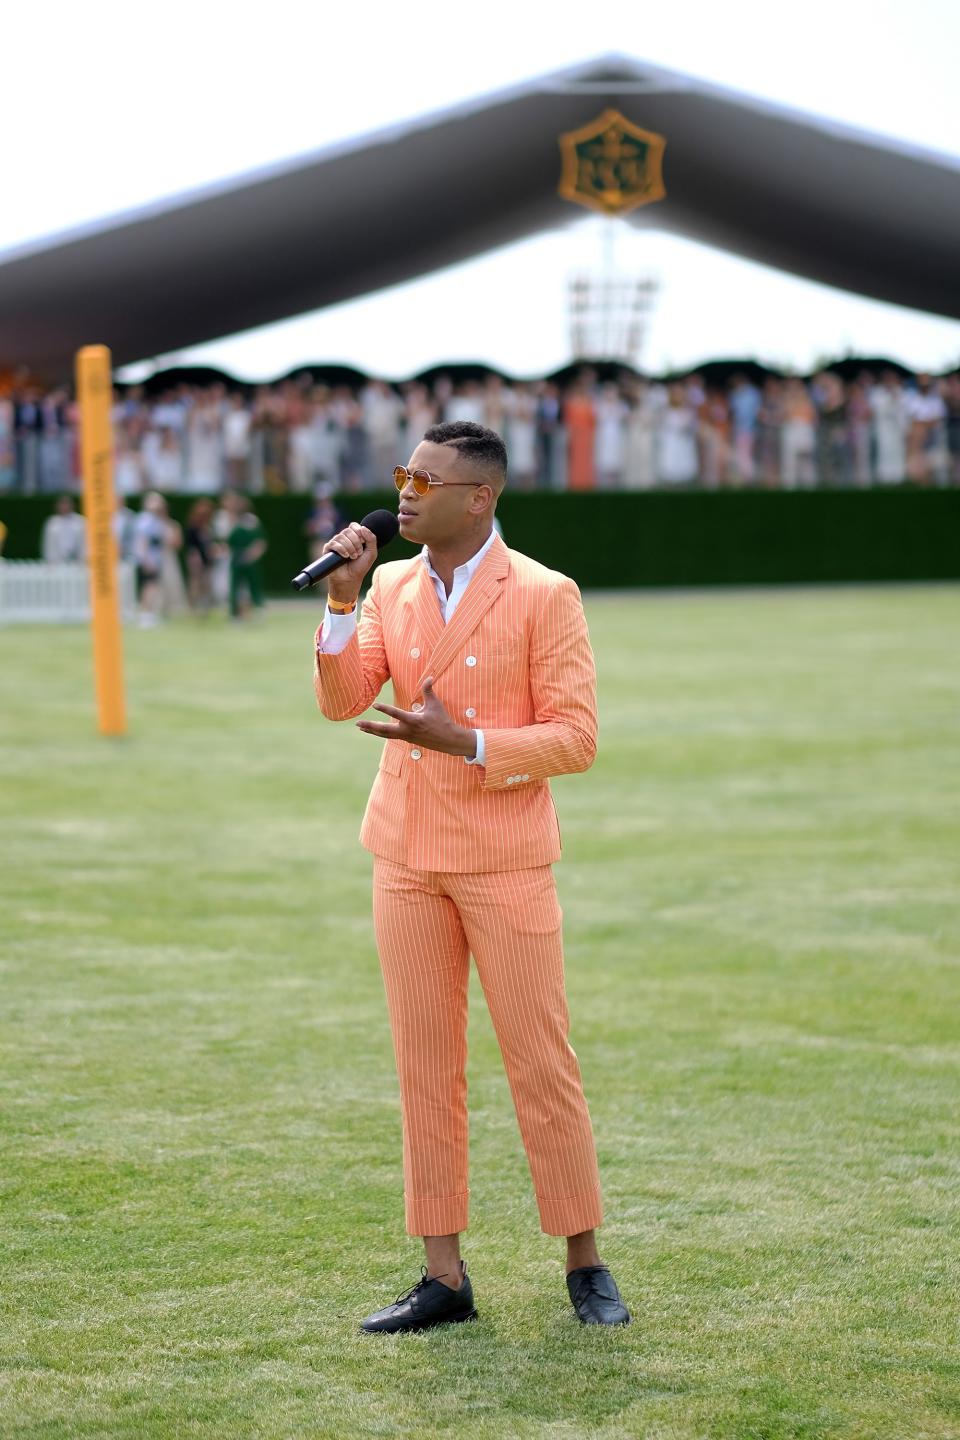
x: 247, y: 543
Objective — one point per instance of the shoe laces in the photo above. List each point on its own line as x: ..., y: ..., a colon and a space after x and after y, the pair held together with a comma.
x: 586, y: 1282
x: 424, y: 1280
x: 421, y: 1283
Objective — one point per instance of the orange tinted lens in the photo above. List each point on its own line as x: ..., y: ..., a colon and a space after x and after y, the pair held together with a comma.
x: 421, y: 481
x: 400, y: 476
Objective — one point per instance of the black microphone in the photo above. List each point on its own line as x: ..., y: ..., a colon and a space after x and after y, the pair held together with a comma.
x: 384, y: 525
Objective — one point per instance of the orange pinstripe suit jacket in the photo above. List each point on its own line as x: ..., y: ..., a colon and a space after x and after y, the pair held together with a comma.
x: 515, y: 661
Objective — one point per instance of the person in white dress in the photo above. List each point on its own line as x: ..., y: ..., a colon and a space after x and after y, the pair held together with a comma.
x: 204, y: 470
x: 646, y: 406
x: 522, y: 436
x: 300, y: 454
x: 64, y: 537
x: 466, y: 402
x: 172, y: 585
x: 127, y: 463
x: 798, y: 436
x: 221, y: 525
x: 421, y: 412
x: 163, y: 461
x: 889, y: 422
x: 610, y: 441
x: 236, y: 441
x: 382, y: 413
x: 497, y: 405
x: 677, y: 461
x: 326, y: 439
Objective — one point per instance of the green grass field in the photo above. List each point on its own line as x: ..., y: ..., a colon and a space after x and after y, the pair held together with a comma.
x: 200, y: 1185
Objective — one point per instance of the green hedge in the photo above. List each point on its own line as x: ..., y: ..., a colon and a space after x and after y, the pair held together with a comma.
x: 612, y: 540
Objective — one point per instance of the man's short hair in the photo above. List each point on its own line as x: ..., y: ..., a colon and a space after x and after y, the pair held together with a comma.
x: 476, y: 444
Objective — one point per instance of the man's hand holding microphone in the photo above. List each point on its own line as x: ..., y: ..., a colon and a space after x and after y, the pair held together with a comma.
x: 358, y: 546
x: 428, y: 726
x: 343, y: 551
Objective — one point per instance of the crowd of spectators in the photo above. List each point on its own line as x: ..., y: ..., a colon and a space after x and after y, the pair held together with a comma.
x: 587, y: 433
x: 213, y: 560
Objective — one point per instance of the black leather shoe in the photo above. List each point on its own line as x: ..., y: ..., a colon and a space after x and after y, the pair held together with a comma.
x: 595, y: 1296
x: 430, y: 1302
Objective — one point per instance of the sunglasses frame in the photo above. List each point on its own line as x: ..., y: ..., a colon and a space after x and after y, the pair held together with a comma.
x: 431, y: 480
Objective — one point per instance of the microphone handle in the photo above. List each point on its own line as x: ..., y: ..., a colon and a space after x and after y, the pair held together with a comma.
x: 318, y: 570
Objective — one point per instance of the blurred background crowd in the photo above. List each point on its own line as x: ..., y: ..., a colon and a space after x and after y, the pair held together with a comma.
x: 211, y: 560
x: 587, y: 429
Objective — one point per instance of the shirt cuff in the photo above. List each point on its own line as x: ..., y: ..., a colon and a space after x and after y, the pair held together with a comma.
x: 481, y: 756
x: 336, y: 632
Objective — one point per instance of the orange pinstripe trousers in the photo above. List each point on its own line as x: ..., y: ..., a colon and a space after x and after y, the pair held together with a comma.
x: 427, y: 925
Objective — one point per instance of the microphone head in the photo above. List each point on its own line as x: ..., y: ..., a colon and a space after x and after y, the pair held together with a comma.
x: 384, y: 525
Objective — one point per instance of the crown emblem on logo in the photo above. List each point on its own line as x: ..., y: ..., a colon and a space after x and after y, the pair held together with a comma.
x: 612, y: 165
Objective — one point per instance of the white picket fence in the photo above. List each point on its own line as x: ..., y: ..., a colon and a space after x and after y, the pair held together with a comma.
x: 34, y: 593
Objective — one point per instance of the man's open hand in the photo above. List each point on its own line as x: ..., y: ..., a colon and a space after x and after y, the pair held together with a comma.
x: 429, y: 727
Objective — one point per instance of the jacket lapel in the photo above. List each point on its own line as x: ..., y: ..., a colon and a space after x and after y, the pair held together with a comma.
x: 477, y: 599
x: 427, y: 609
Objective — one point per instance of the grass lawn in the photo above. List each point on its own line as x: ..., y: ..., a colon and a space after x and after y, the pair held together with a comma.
x: 200, y: 1182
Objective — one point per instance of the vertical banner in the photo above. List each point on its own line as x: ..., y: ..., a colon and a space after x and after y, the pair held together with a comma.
x: 95, y: 394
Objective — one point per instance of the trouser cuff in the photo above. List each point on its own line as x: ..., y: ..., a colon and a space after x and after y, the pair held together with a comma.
x: 437, y: 1214
x: 571, y: 1214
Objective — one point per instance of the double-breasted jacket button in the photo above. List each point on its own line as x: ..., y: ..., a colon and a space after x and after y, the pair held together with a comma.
x: 471, y: 660
x: 416, y: 754
x: 469, y: 712
x: 415, y: 653
x: 417, y: 705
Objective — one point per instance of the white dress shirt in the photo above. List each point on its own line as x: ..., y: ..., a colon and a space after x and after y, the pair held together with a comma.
x: 337, y: 629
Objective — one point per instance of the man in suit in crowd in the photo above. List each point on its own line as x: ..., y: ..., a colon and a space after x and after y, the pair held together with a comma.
x: 495, y: 691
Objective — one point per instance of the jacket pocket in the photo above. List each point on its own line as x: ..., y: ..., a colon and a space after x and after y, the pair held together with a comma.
x: 392, y: 758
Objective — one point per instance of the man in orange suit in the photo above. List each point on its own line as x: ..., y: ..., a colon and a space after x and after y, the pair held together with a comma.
x: 495, y: 691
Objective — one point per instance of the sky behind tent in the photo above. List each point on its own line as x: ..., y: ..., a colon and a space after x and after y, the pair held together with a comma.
x: 182, y: 95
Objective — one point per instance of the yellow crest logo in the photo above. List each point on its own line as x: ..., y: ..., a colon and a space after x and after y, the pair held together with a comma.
x: 612, y: 165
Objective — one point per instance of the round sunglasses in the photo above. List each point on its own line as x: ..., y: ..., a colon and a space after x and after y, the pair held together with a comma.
x: 422, y: 480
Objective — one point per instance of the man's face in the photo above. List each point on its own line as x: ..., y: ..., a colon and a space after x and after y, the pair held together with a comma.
x: 447, y: 513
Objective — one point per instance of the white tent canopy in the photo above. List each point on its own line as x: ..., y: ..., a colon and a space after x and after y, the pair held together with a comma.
x: 790, y: 190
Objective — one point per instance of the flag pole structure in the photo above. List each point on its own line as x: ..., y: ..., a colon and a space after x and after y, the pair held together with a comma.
x: 95, y: 394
